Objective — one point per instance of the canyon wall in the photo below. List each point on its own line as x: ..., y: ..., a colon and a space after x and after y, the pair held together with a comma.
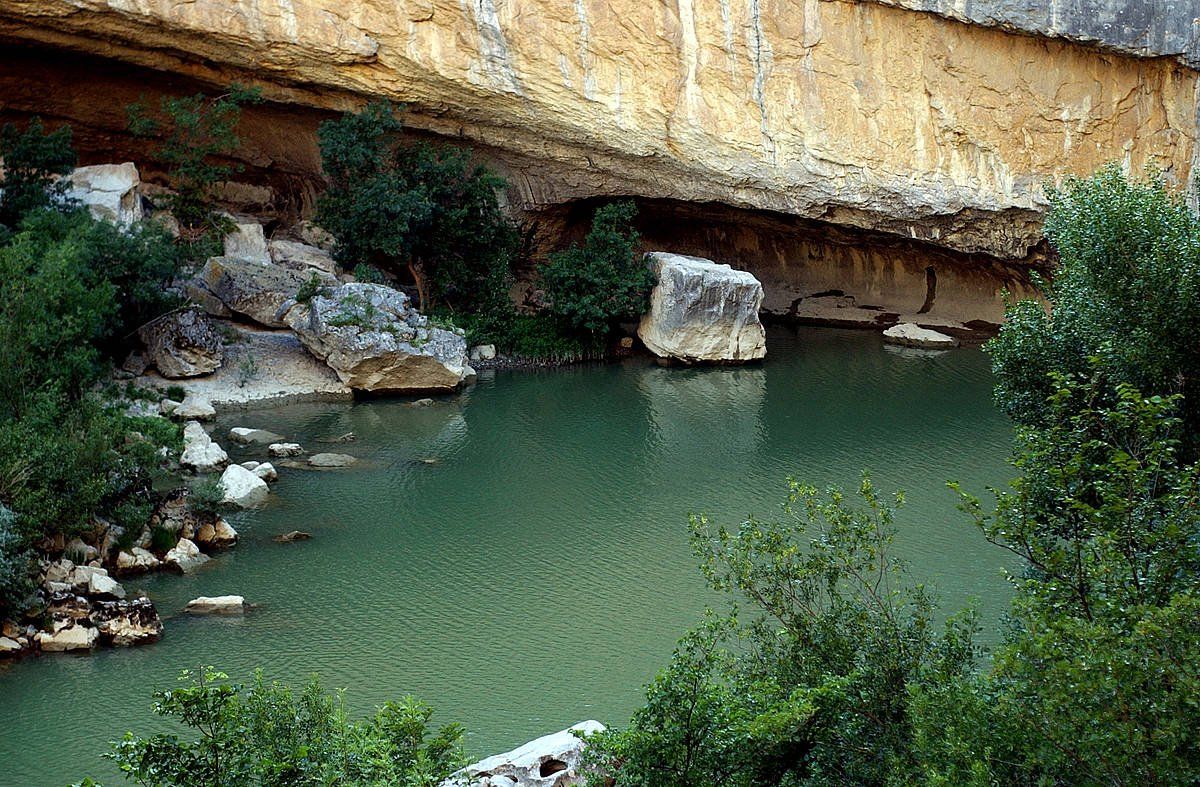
x: 932, y: 122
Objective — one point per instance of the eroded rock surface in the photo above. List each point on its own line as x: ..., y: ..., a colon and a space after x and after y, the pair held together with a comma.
x: 375, y: 341
x: 702, y: 311
x: 108, y: 191
x: 256, y: 290
x: 182, y: 344
x: 550, y: 761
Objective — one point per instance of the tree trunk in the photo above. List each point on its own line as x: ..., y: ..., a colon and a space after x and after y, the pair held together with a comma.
x: 417, y: 269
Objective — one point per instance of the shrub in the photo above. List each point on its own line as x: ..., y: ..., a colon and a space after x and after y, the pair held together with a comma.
x: 31, y: 160
x: 16, y: 566
x: 603, y: 281
x: 268, y: 735
x: 194, y: 132
x: 207, y: 498
x: 1126, y: 291
x: 419, y: 208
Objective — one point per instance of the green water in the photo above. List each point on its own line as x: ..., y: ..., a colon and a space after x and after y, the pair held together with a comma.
x: 538, y: 572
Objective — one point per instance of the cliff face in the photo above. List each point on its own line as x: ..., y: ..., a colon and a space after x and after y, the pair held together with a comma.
x: 867, y: 115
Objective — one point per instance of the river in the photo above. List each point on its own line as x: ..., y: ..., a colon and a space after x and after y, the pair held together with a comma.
x: 517, y: 555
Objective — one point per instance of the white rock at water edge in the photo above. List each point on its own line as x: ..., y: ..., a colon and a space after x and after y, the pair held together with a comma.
x: 284, y: 449
x: 702, y: 311
x: 185, y: 556
x: 194, y: 408
x: 243, y: 488
x: 245, y: 436
x: 216, y: 605
x: 550, y: 761
x: 200, y: 453
x: 76, y: 637
x: 108, y: 191
x: 912, y: 335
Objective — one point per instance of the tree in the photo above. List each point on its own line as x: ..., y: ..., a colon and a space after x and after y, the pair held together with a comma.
x: 816, y: 688
x: 195, y: 132
x: 416, y: 208
x: 1125, y: 291
x: 266, y: 734
x: 31, y: 159
x: 603, y: 281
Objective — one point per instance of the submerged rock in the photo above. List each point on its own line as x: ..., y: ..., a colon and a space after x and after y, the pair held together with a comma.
x: 910, y: 334
x: 292, y: 535
x: 108, y: 191
x: 182, y: 344
x: 331, y: 460
x: 240, y: 434
x: 550, y: 761
x: 702, y: 311
x: 216, y: 605
x: 375, y: 341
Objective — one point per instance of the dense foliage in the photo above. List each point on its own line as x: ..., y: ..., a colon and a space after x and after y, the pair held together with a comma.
x: 266, y: 734
x: 837, y: 675
x: 72, y: 292
x: 602, y: 281
x: 416, y: 208
x: 1125, y: 293
x: 194, y: 132
x: 32, y: 158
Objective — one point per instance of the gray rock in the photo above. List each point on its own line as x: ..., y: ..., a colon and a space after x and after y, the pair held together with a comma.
x: 266, y: 471
x: 375, y: 341
x: 194, y: 408
x: 292, y: 535
x: 108, y: 191
x: 912, y: 335
x: 104, y: 586
x: 246, y: 242
x: 245, y: 436
x: 331, y: 460
x: 483, y: 352
x: 182, y: 344
x: 550, y: 761
x: 308, y: 232
x: 702, y: 311
x: 260, y: 291
x: 137, y: 560
x: 124, y: 624
x: 302, y: 257
x: 284, y: 449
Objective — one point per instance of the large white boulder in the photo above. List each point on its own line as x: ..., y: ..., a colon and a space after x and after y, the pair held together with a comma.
x: 910, y: 334
x: 194, y: 407
x: 550, y: 761
x: 200, y: 453
x: 702, y: 311
x: 108, y: 191
x: 372, y: 337
x: 243, y: 488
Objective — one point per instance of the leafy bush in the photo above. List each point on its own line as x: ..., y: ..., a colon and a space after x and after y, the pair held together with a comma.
x: 31, y: 160
x: 266, y: 734
x: 1126, y: 291
x: 194, y: 132
x: 16, y: 566
x: 207, y: 498
x: 419, y: 208
x: 815, y: 688
x: 603, y: 281
x: 72, y: 288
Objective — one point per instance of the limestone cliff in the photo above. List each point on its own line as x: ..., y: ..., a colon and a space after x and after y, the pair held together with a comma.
x: 872, y: 116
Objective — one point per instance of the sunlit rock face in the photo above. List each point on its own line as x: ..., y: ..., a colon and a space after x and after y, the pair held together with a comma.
x: 929, y: 121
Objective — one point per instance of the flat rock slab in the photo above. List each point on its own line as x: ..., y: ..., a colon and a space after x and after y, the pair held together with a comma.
x: 245, y: 436
x: 325, y: 461
x: 910, y: 334
x: 216, y: 605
